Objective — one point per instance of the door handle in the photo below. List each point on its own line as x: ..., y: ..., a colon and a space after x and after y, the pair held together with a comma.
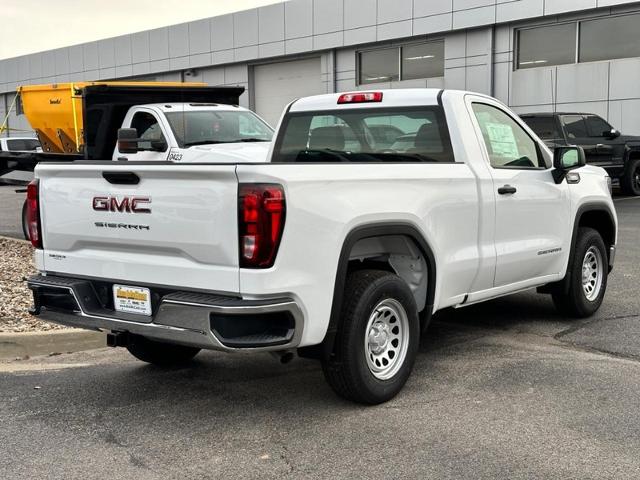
x: 121, y: 178
x: 507, y: 190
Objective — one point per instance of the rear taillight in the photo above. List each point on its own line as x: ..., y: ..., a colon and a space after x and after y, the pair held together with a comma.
x: 33, y: 214
x: 360, y: 97
x: 261, y: 221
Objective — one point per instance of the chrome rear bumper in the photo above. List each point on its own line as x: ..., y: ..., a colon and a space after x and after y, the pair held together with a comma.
x: 195, y: 319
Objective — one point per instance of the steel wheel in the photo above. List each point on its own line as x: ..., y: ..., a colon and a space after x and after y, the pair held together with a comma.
x: 592, y: 273
x: 386, y: 338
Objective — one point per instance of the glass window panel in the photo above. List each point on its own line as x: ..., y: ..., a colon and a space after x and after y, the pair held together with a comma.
x: 596, y: 126
x: 148, y: 129
x: 508, y: 144
x: 607, y: 38
x: 379, y: 66
x: 423, y: 61
x: 574, y: 126
x: 23, y: 144
x: 217, y: 126
x: 544, y: 126
x: 365, y: 135
x: 544, y: 46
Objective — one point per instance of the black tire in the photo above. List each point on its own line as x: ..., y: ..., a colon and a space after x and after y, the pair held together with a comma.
x: 347, y: 371
x: 575, y: 302
x: 25, y: 228
x: 630, y: 183
x: 160, y: 354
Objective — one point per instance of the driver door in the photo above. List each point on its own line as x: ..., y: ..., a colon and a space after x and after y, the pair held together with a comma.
x: 533, y: 218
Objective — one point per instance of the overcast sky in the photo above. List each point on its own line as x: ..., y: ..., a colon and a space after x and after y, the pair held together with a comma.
x: 28, y: 26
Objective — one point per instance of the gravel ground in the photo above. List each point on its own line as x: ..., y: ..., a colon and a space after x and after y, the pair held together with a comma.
x: 16, y: 262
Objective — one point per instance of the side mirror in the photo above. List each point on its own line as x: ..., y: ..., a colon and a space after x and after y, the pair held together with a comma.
x: 611, y: 134
x: 566, y: 159
x: 127, y: 140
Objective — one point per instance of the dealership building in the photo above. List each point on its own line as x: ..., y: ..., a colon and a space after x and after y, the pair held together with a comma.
x: 534, y: 55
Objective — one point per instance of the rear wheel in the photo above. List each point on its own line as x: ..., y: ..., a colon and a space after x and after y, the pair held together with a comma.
x: 159, y: 353
x: 587, y: 276
x: 630, y: 183
x: 377, y: 339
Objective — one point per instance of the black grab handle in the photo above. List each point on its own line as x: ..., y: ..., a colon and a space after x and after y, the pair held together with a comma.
x: 121, y: 178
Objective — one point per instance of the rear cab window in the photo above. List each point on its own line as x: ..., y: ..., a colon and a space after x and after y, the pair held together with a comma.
x: 362, y: 135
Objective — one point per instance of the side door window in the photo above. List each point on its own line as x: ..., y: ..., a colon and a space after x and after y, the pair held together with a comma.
x: 574, y: 126
x: 508, y: 144
x: 596, y: 126
x: 606, y: 148
x: 149, y: 131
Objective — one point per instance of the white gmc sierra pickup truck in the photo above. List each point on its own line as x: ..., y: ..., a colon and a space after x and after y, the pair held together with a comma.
x: 374, y: 210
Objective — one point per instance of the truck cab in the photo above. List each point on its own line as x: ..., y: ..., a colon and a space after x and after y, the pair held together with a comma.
x: 193, y: 132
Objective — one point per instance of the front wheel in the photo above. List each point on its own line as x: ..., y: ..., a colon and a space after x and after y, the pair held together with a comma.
x: 377, y: 339
x: 159, y: 353
x: 587, y: 276
x: 630, y: 183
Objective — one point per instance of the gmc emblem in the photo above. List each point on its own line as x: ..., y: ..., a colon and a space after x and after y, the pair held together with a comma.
x: 126, y: 204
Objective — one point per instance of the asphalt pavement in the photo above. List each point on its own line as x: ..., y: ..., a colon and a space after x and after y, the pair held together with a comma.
x: 505, y: 389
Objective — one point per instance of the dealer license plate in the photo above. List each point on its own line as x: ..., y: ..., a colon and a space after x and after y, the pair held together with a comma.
x: 128, y: 299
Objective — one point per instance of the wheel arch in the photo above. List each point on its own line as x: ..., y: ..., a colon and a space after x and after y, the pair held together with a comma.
x: 356, y: 235
x: 632, y: 151
x: 599, y: 217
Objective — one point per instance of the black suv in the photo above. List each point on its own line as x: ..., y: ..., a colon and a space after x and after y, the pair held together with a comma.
x: 603, y: 145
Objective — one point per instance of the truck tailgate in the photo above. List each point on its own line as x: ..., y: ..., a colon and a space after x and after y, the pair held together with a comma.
x: 176, y: 226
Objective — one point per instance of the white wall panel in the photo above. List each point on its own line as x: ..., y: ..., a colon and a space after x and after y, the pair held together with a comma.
x: 583, y: 82
x: 298, y: 18
x: 533, y: 87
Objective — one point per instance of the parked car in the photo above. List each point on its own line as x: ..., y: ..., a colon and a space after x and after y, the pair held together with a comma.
x: 336, y: 248
x: 20, y: 144
x: 603, y: 145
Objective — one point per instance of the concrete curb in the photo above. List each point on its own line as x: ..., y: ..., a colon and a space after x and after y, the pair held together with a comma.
x: 20, y: 345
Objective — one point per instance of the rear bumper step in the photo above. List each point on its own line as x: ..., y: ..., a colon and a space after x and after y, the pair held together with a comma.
x: 200, y: 320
